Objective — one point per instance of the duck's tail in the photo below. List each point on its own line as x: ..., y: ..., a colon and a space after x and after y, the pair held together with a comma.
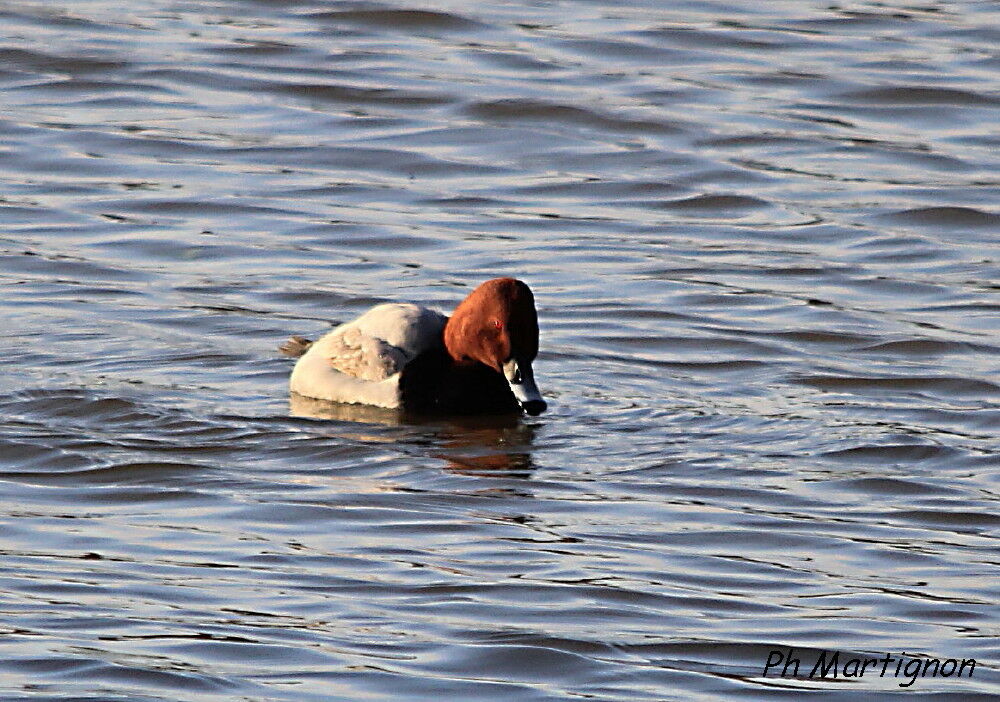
x: 295, y: 346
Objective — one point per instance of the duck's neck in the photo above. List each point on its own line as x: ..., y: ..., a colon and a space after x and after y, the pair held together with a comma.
x: 436, y: 382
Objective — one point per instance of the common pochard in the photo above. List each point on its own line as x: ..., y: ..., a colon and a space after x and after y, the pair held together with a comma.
x: 403, y: 356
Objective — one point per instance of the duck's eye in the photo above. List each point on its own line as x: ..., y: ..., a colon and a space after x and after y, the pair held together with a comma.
x: 517, y: 377
x: 498, y: 324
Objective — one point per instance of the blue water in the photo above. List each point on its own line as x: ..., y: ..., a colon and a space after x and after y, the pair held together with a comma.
x: 765, y: 243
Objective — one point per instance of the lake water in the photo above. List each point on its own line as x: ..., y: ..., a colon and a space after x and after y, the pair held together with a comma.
x: 765, y: 242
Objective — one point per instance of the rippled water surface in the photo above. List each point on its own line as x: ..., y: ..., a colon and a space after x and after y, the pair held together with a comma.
x: 765, y: 242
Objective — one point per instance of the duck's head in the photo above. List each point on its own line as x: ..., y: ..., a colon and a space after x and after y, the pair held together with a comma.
x: 497, y: 326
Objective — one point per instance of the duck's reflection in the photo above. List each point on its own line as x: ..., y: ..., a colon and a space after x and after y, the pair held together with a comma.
x: 302, y: 406
x: 488, y: 446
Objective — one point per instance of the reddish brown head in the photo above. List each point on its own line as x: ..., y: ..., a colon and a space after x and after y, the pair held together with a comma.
x: 497, y: 326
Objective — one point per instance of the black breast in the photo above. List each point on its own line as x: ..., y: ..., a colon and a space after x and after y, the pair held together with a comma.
x: 433, y: 383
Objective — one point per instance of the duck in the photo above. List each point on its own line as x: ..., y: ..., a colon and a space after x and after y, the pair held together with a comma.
x: 408, y: 357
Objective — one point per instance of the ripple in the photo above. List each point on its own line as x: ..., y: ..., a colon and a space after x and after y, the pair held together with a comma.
x: 535, y: 110
x: 924, y: 347
x: 885, y: 486
x: 919, y: 95
x: 398, y: 18
x: 945, y: 216
x: 76, y: 64
x: 909, y: 453
x: 120, y: 474
x: 359, y: 95
x: 943, y: 385
x: 715, y: 203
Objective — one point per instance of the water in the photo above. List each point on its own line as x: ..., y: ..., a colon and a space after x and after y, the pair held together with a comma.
x: 765, y: 242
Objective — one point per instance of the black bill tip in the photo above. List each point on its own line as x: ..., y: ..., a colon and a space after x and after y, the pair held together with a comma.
x: 534, y: 407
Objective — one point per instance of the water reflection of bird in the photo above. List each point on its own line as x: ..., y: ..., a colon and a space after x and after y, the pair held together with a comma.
x: 488, y: 446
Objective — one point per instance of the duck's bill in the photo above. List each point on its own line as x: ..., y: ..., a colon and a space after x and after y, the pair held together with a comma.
x: 522, y: 383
